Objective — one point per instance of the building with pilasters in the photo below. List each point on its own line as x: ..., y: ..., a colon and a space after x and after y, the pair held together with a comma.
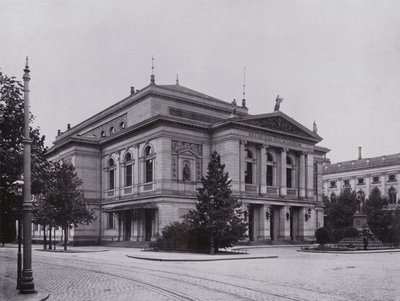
x: 142, y: 158
x: 363, y: 175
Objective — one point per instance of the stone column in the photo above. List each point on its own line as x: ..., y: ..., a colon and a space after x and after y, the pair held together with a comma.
x: 242, y: 165
x: 263, y: 225
x: 263, y: 162
x: 136, y: 167
x: 283, y: 189
x: 310, y: 176
x: 284, y: 224
x: 302, y: 176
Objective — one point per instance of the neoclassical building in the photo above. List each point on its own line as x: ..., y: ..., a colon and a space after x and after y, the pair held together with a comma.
x: 142, y: 158
x: 363, y: 175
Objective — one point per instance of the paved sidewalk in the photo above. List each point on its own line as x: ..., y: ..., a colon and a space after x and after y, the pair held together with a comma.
x: 8, y: 292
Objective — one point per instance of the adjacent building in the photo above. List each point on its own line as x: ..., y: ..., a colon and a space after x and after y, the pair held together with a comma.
x: 363, y: 175
x: 142, y: 158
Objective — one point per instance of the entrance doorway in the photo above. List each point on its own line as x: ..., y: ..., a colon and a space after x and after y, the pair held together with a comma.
x: 272, y: 224
x: 127, y: 225
x: 148, y: 217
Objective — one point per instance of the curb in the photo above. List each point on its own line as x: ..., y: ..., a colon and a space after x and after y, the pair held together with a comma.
x: 349, y: 252
x: 200, y: 259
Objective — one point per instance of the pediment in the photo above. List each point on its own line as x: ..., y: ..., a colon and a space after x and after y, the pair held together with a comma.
x: 280, y: 122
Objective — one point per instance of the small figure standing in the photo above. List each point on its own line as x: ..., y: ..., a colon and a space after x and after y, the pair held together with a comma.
x: 315, y: 128
x: 234, y: 107
x: 365, y: 241
x: 278, y: 103
x: 186, y: 172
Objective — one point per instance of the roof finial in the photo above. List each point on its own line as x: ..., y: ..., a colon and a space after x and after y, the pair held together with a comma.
x: 152, y: 77
x: 244, y: 88
x: 177, y: 79
x: 26, y: 70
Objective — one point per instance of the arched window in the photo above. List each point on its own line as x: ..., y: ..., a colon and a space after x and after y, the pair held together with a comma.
x: 122, y: 125
x: 111, y: 174
x: 392, y: 196
x: 128, y: 169
x: 333, y: 197
x: 248, y: 174
x: 289, y: 172
x: 270, y: 170
x: 103, y: 134
x: 112, y: 130
x: 149, y: 164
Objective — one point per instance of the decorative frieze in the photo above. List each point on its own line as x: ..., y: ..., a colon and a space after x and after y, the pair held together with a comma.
x: 179, y: 146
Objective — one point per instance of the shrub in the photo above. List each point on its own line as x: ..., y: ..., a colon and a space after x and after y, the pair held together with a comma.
x: 175, y: 236
x: 322, y: 235
x: 351, y: 232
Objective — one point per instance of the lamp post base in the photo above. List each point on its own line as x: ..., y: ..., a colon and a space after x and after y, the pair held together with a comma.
x: 26, y: 285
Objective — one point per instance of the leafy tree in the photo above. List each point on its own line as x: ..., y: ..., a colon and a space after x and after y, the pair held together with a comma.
x: 339, y: 213
x: 395, y: 227
x: 378, y: 216
x: 217, y: 221
x: 11, y: 152
x: 63, y: 203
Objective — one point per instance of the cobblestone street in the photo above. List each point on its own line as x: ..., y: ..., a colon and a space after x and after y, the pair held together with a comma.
x: 108, y: 274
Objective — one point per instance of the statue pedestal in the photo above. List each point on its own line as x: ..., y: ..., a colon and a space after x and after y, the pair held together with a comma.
x: 360, y: 221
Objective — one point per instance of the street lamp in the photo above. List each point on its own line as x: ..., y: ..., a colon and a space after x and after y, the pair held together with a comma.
x: 27, y: 286
x: 212, y: 225
x: 17, y: 188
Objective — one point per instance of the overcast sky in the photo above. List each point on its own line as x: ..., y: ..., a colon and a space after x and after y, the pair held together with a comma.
x: 336, y: 62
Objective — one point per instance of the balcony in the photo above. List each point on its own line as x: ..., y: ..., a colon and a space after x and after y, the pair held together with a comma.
x: 272, y: 190
x: 294, y: 192
x: 251, y: 188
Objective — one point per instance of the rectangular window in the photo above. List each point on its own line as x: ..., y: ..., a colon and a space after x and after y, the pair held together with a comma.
x: 360, y: 181
x: 110, y: 221
x: 128, y: 175
x: 392, y: 178
x: 248, y: 177
x: 375, y: 179
x: 333, y: 184
x: 288, y: 177
x: 270, y: 179
x: 346, y: 183
x: 149, y: 171
x: 111, y: 180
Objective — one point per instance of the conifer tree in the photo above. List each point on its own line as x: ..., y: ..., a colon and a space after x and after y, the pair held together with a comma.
x: 217, y: 220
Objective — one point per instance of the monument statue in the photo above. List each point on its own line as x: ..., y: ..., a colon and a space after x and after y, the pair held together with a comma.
x: 234, y: 107
x: 278, y: 103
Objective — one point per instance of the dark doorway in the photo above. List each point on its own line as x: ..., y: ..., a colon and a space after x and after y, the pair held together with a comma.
x: 272, y: 224
x: 251, y: 223
x: 127, y: 225
x: 148, y: 224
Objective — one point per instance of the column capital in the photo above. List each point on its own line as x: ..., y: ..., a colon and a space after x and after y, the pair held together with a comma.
x: 284, y: 149
x: 244, y: 142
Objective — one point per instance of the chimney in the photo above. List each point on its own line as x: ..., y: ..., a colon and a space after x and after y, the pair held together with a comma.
x: 68, y: 126
x: 132, y: 90
x: 58, y: 132
x: 359, y: 153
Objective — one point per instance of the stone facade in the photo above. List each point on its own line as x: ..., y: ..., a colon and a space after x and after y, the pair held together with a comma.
x: 141, y: 160
x: 363, y: 175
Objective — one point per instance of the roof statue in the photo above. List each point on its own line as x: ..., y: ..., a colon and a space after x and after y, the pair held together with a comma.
x: 315, y: 128
x: 278, y: 103
x: 234, y: 108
